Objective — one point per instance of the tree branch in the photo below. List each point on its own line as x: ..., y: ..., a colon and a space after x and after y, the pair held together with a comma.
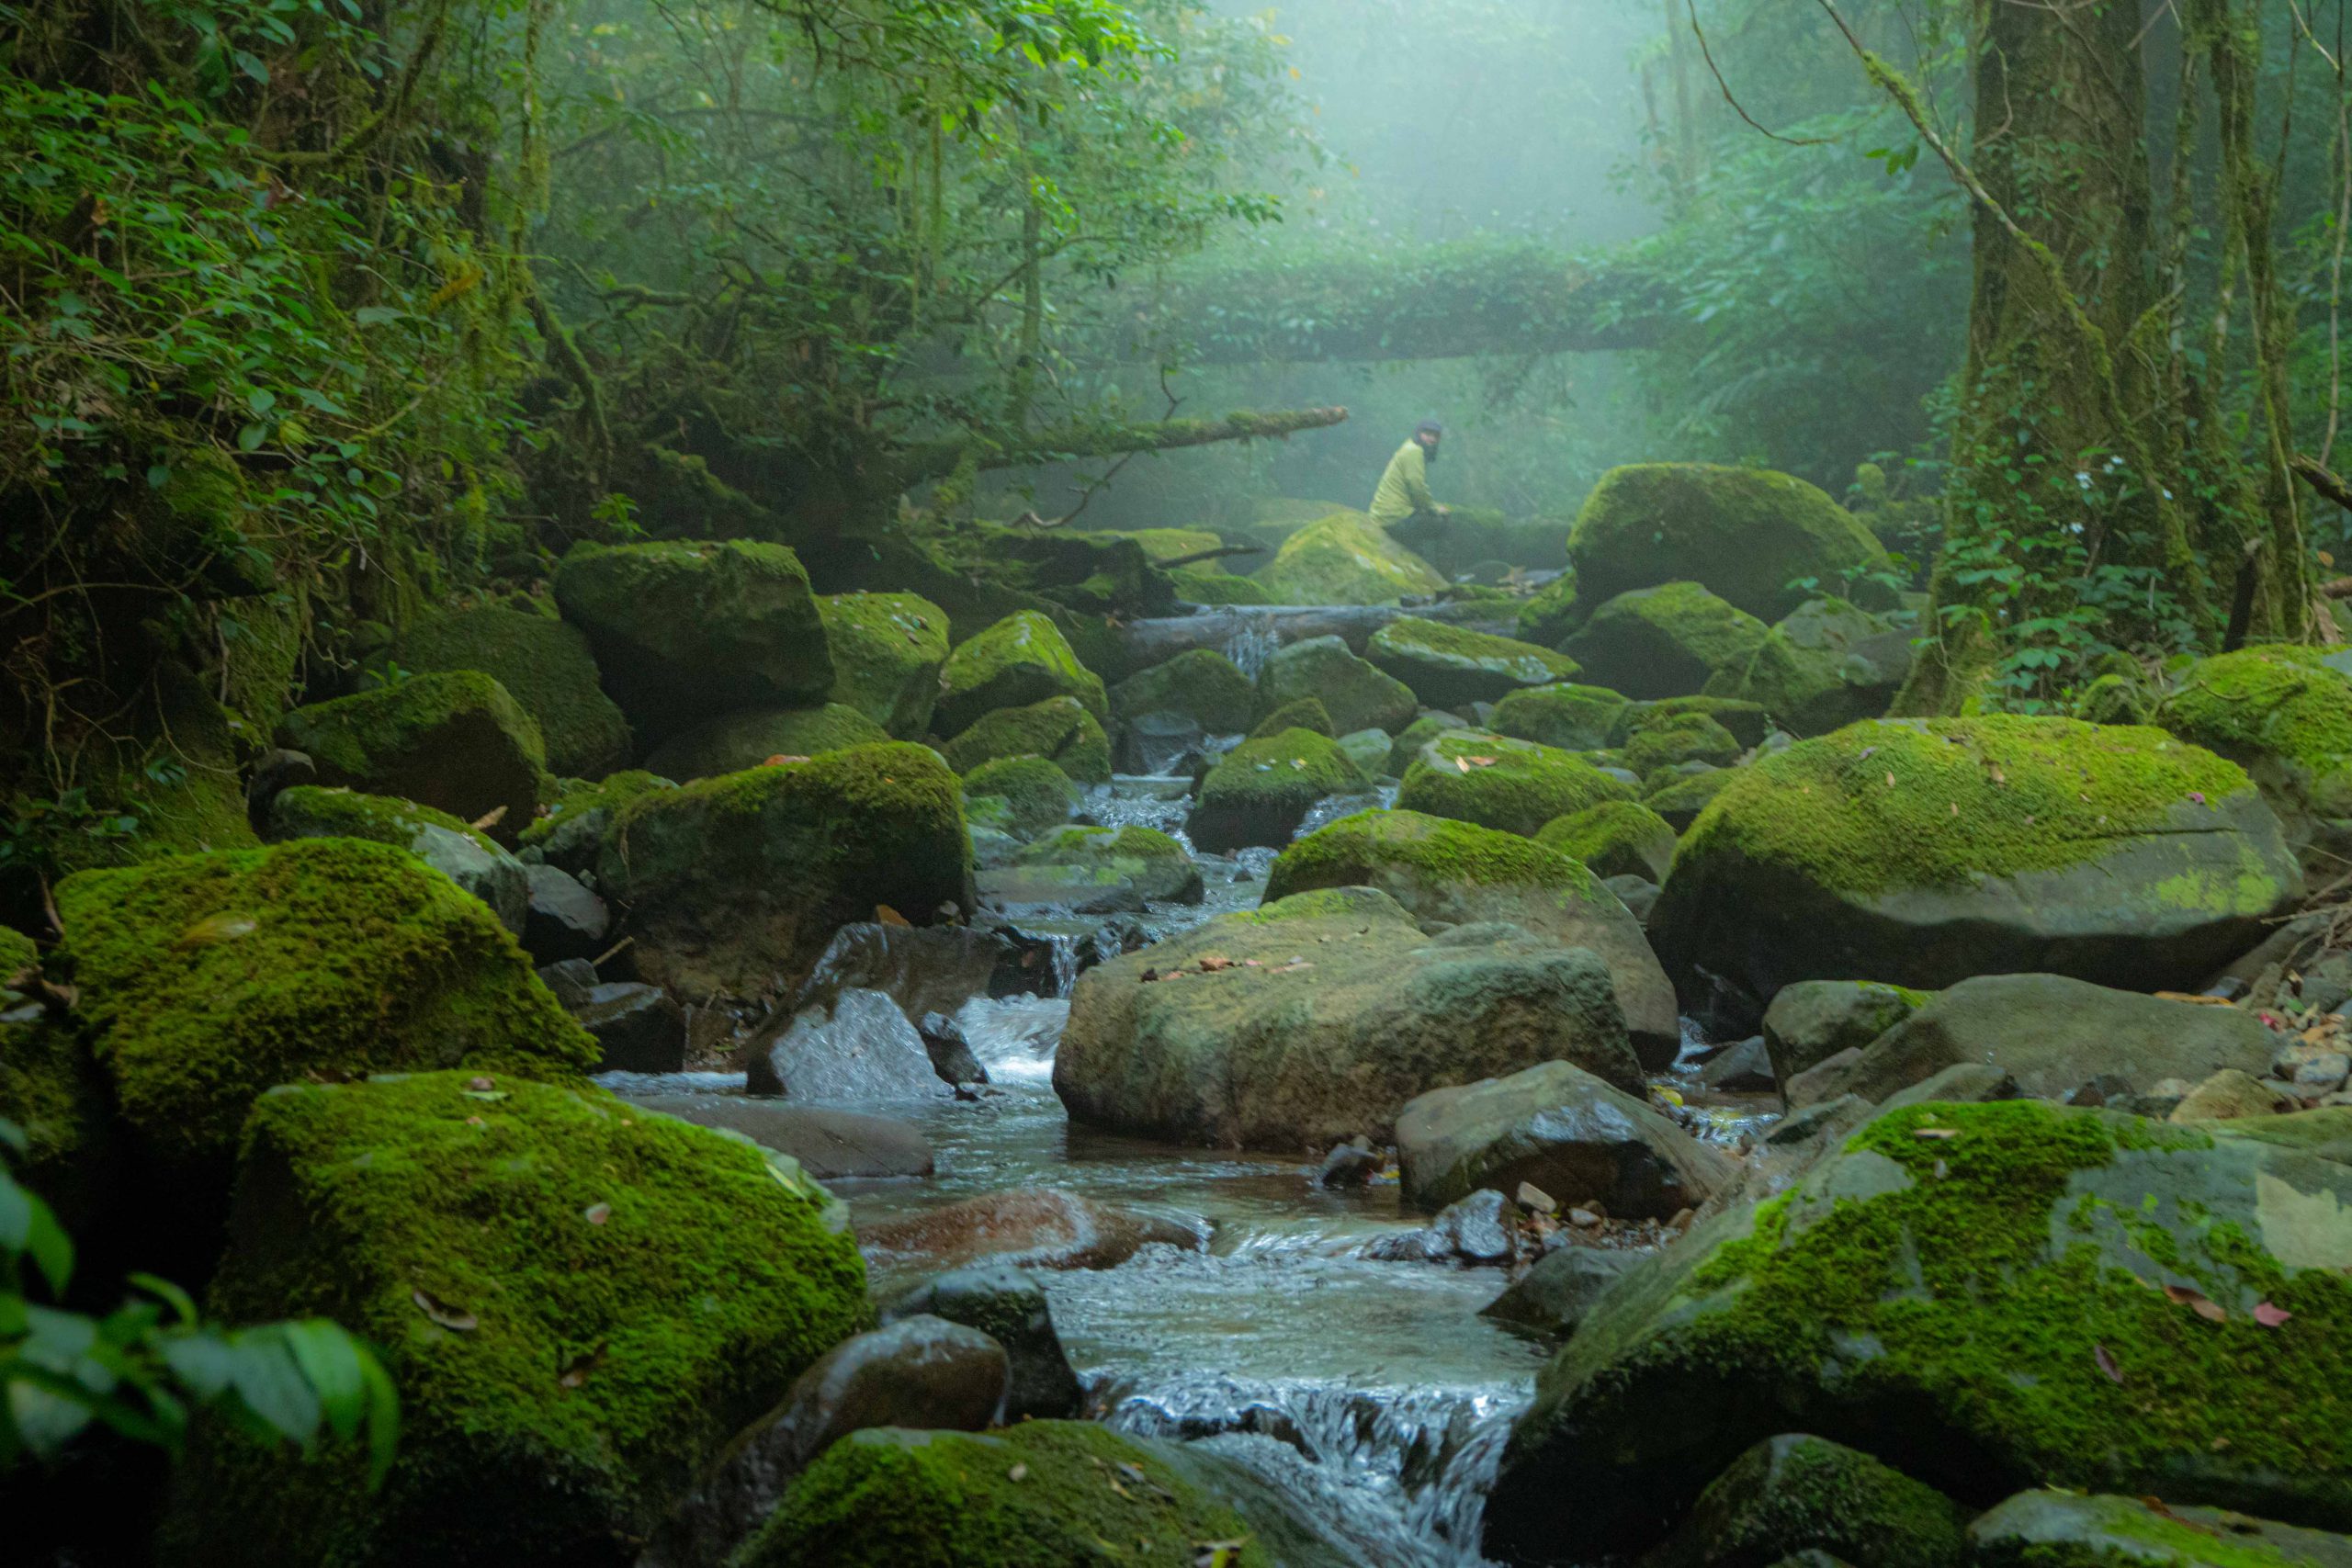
x: 1220, y: 553
x: 1007, y: 449
x: 2327, y: 482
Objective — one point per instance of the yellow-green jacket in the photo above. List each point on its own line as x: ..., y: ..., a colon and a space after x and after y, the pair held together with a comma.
x: 1405, y: 488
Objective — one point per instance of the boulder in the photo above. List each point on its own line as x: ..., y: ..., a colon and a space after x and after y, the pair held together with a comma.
x: 1557, y: 1293
x: 545, y: 665
x: 1301, y: 713
x: 686, y: 630
x: 1616, y: 838
x: 1097, y: 871
x: 1795, y: 1493
x: 1356, y: 694
x: 578, y: 1305
x: 561, y: 919
x: 749, y: 737
x: 1452, y: 666
x: 1456, y: 873
x: 924, y: 969
x: 455, y: 742
x: 734, y: 881
x: 2070, y: 1529
x: 1010, y: 1307
x: 1514, y: 786
x: 1369, y: 750
x: 2231, y: 1093
x: 1315, y: 1019
x: 637, y: 1028
x: 2284, y: 715
x: 827, y: 1142
x: 887, y: 650
x: 1044, y: 1493
x: 1564, y: 1131
x: 1812, y: 1021
x: 1201, y: 683
x: 1671, y: 741
x: 1677, y: 799
x: 1262, y: 790
x: 2108, y: 853
x: 572, y: 834
x: 1035, y: 1227
x: 1059, y: 729
x: 1022, y: 660
x: 1474, y: 1232
x: 1345, y: 558
x: 857, y: 1049
x: 1986, y: 1297
x: 1824, y: 666
x: 1748, y: 535
x: 1744, y: 1067
x: 1749, y: 723
x: 1038, y: 795
x: 1568, y: 717
x: 1668, y: 642
x: 1638, y: 894
x: 463, y: 854
x: 1413, y: 736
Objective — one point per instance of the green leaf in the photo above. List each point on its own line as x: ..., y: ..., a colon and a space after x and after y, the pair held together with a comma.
x: 250, y: 438
x: 330, y: 1361
x: 268, y: 1382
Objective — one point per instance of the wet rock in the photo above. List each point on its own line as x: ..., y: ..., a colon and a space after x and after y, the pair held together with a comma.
x: 861, y: 1048
x: 1452, y: 666
x: 924, y: 969
x: 917, y: 1372
x: 1825, y: 1079
x: 1638, y: 894
x: 1348, y: 1166
x: 2231, y: 1093
x: 1474, y: 1232
x: 2070, y: 1529
x: 1562, y: 1128
x: 456, y: 742
x: 1355, y: 692
x: 1021, y: 660
x: 830, y: 1144
x: 1793, y: 1493
x: 1664, y: 641
x: 951, y: 1053
x: 464, y: 855
x: 1010, y: 1307
x: 1513, y: 786
x: 1814, y: 1020
x: 1616, y: 838
x: 1039, y: 1227
x: 1262, y: 790
x: 561, y: 919
x: 1743, y: 1069
x: 1554, y: 1296
x: 638, y: 1028
x: 1156, y: 743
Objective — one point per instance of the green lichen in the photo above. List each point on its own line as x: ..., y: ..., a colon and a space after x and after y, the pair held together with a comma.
x: 1969, y: 798
x: 1664, y: 741
x: 1616, y: 838
x: 888, y: 649
x: 1369, y: 847
x: 1345, y: 558
x: 1570, y: 717
x: 1021, y: 660
x: 1060, y: 730
x: 457, y: 741
x: 1513, y: 785
x: 1038, y: 795
x: 544, y: 664
x: 2278, y: 712
x: 1304, y: 712
x: 580, y: 1304
x: 1747, y: 534
x: 748, y: 737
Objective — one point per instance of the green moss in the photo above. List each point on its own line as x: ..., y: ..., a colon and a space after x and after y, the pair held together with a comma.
x: 456, y: 741
x: 1059, y: 729
x: 2115, y: 699
x: 1663, y: 741
x: 1201, y: 683
x: 1796, y: 1494
x: 1969, y: 798
x: 1747, y: 534
x: 573, y: 826
x: 1666, y: 641
x: 1304, y: 713
x: 1747, y: 721
x: 1260, y: 790
x: 888, y: 649
x: 1021, y: 660
x: 1038, y: 795
x: 379, y: 818
x: 1513, y: 785
x: 1207, y: 585
x: 49, y: 1089
x: 1678, y: 798
x: 1416, y: 735
x: 261, y: 655
x: 1356, y: 694
x: 205, y: 979
x: 2066, y: 1530
x: 544, y: 664
x: 579, y: 1302
x: 1365, y: 848
x: 1448, y: 665
x: 1570, y: 717
x: 1345, y: 558
x: 1086, y: 845
x: 1613, y: 839
x: 1550, y: 614
x: 2279, y: 712
x: 746, y: 739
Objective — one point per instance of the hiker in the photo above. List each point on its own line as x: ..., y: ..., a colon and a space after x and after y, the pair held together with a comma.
x: 1404, y: 492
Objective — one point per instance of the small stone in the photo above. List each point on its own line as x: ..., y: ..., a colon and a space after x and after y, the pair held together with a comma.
x: 1585, y: 1219
x: 1535, y: 1200
x: 1349, y: 1165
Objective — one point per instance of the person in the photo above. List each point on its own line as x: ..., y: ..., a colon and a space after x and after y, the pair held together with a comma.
x: 1404, y: 492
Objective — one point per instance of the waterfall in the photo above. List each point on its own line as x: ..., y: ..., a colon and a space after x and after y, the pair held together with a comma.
x: 1253, y: 641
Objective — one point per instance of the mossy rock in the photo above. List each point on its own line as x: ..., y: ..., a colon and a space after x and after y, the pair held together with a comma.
x: 579, y: 1302
x: 1262, y: 790
x: 1039, y: 1494
x: 1746, y: 533
x: 2285, y: 716
x: 1616, y: 838
x: 1665, y: 742
x: 1826, y: 665
x: 2114, y: 698
x: 1550, y: 614
x: 52, y: 1090
x: 1984, y: 1308
x: 2119, y: 855
x: 463, y: 854
x: 1473, y: 775
x: 748, y: 737
x: 1208, y: 585
x: 1315, y: 1019
x: 1356, y: 694
x: 205, y: 979
x: 1021, y: 660
x: 1369, y: 750
x: 1461, y: 873
x: 1798, y: 1493
x: 735, y: 881
x: 1301, y: 713
x: 1678, y: 798
x: 544, y: 664
x: 1748, y: 722
x: 1059, y: 729
x: 456, y: 741
x: 1093, y: 575
x: 1413, y: 736
x: 685, y: 630
x: 1568, y: 717
x: 2070, y: 1529
x: 887, y: 650
x: 1201, y: 683
x: 1452, y: 667
x: 1668, y: 642
x: 572, y: 834
x: 1812, y: 1021
x: 1038, y: 795
x: 1346, y: 559
x: 1081, y: 866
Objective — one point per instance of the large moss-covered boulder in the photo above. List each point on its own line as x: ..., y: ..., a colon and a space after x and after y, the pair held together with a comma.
x: 456, y: 741
x: 1550, y: 614
x: 1795, y: 1495
x: 1748, y: 721
x: 1568, y: 717
x: 543, y: 663
x: 1670, y: 740
x: 1355, y: 692
x: 1097, y: 870
x: 1038, y: 1493
x: 1514, y: 786
x: 205, y: 979
x: 1315, y: 1019
x: 463, y: 854
x: 1200, y: 682
x: 1037, y: 796
x: 1409, y: 741
x: 1824, y: 666
x: 1924, y: 851
x: 2052, y: 1529
x: 1986, y: 1297
x: 888, y: 649
x: 1749, y: 534
x: 1668, y: 642
x: 685, y: 630
x: 1262, y: 790
x: 1452, y: 666
x: 1060, y: 730
x: 1616, y: 838
x: 749, y: 737
x: 571, y: 835
x: 1345, y: 558
x: 1022, y: 659
x: 1463, y: 873
x: 2285, y: 716
x: 1304, y: 712
x: 735, y: 881
x: 580, y: 1304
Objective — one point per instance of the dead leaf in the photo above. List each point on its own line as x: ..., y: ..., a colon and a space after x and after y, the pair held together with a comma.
x: 1017, y: 1473
x: 886, y: 916
x: 1999, y: 777
x: 2194, y: 1000
x: 218, y: 928
x: 1955, y: 808
x: 1890, y: 781
x: 1482, y: 762
x: 596, y: 1213
x: 1213, y: 961
x: 1462, y: 764
x: 2105, y: 1363
x: 489, y: 818
x: 457, y: 1318
x: 2268, y: 1315
x: 575, y: 1371
x: 2197, y: 1301
x: 1935, y: 1132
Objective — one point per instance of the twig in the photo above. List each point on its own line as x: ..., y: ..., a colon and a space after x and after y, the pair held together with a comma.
x: 1709, y: 54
